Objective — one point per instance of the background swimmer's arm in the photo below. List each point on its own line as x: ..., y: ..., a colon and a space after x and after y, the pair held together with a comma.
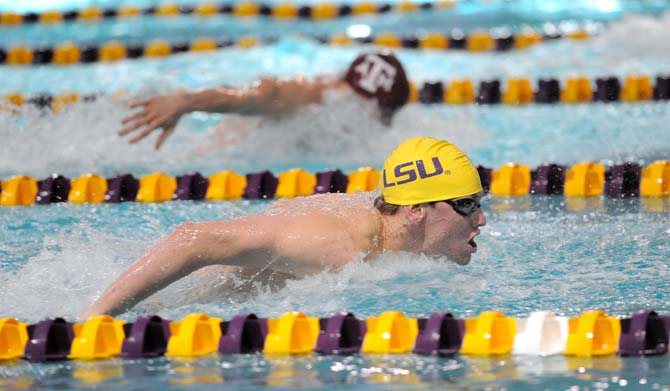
x: 243, y: 242
x: 267, y: 96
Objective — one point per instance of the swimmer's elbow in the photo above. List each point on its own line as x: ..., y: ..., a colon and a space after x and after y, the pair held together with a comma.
x: 284, y: 96
x: 187, y: 233
x: 189, y: 243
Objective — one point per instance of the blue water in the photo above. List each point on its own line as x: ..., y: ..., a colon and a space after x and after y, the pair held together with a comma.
x: 536, y: 253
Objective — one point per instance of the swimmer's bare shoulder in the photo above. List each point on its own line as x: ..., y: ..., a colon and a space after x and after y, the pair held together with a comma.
x: 333, y: 228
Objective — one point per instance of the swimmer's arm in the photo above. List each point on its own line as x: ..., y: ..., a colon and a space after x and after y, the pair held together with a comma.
x: 267, y: 96
x: 246, y: 242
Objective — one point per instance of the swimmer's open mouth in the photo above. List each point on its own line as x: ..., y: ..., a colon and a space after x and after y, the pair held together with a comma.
x: 473, y: 244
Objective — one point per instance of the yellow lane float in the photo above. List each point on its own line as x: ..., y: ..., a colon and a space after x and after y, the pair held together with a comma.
x: 285, y: 11
x: 391, y: 332
x: 292, y: 333
x: 20, y: 55
x: 434, y: 41
x: 206, y: 9
x: 388, y: 39
x: 156, y: 187
x: 112, y: 51
x: 365, y: 179
x: 168, y: 10
x: 585, y: 180
x: 226, y: 185
x: 246, y: 8
x: 202, y: 45
x: 593, y: 334
x: 90, y: 14
x: 18, y: 190
x: 512, y: 179
x: 88, y: 188
x: 363, y: 8
x: 295, y: 182
x: 460, y: 92
x: 195, y: 335
x: 127, y: 11
x: 13, y: 338
x: 480, y: 41
x: 577, y: 90
x: 519, y: 91
x: 655, y: 179
x: 51, y: 17
x: 100, y: 337
x: 157, y: 48
x: 637, y: 88
x: 491, y: 333
x: 323, y: 11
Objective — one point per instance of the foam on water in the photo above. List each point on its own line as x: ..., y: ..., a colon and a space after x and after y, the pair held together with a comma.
x: 83, y: 262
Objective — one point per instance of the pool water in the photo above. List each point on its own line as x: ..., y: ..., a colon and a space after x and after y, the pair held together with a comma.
x: 535, y: 253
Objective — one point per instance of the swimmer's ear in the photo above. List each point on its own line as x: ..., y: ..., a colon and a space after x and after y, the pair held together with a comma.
x: 414, y: 214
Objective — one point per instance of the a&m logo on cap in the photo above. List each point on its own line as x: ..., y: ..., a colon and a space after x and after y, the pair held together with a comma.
x: 381, y: 77
x: 375, y: 73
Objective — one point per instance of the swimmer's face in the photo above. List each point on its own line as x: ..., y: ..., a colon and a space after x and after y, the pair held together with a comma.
x: 450, y: 231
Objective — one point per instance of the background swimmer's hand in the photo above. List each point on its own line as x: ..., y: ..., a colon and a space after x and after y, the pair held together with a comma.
x: 160, y: 112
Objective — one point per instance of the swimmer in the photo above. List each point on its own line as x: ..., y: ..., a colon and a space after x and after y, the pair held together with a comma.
x: 373, y: 76
x: 429, y: 204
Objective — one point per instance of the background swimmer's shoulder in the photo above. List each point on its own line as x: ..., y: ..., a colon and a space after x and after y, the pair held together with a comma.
x: 330, y: 78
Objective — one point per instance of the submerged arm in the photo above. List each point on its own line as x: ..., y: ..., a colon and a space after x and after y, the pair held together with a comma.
x: 241, y: 242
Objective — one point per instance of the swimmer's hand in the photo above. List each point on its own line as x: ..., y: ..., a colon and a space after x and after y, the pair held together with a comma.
x: 158, y: 112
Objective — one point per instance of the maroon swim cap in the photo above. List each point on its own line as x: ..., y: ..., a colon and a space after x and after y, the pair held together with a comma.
x: 379, y: 76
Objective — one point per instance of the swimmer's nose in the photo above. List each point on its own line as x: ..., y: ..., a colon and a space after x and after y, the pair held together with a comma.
x: 480, y: 218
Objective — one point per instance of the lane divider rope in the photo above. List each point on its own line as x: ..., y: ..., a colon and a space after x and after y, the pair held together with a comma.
x: 542, y: 333
x: 582, y: 180
x: 241, y: 9
x: 516, y: 91
x: 68, y: 52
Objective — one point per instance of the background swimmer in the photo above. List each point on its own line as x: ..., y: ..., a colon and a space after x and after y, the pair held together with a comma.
x: 375, y: 76
x: 430, y: 194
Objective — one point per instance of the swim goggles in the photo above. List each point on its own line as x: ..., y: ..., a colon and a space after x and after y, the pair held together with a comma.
x: 465, y: 206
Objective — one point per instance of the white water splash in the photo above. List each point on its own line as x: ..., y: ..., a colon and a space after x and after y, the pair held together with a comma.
x: 66, y: 275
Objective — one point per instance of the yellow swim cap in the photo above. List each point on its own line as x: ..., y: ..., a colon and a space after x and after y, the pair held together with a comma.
x: 423, y: 169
